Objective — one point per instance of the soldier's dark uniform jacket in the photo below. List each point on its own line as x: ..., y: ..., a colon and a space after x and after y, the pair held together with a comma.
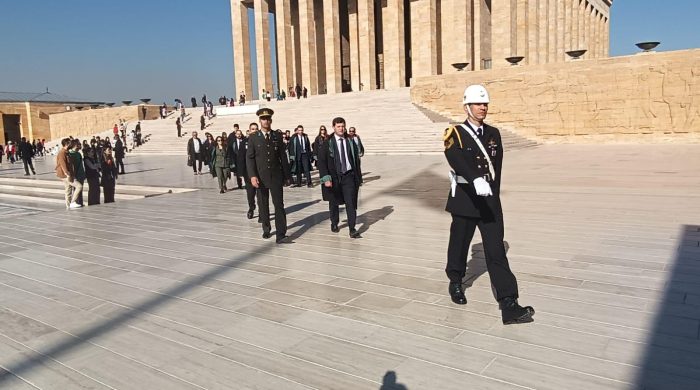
x: 468, y: 161
x: 267, y: 160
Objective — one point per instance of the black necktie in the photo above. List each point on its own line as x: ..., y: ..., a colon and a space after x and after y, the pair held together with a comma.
x: 267, y: 137
x: 479, y: 132
x: 343, y: 164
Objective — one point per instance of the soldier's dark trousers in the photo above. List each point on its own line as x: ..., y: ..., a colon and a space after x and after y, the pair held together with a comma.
x: 250, y: 192
x: 264, y: 205
x: 108, y: 192
x: 461, y: 233
x: 347, y: 185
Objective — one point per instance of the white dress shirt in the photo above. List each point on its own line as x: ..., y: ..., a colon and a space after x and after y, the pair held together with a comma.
x: 347, y: 151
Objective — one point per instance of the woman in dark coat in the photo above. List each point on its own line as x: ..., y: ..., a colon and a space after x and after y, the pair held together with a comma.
x: 320, y: 139
x: 92, y: 174
x: 220, y: 163
x: 109, y: 175
x: 208, y: 145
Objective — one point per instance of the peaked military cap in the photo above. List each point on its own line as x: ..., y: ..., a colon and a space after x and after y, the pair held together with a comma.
x: 264, y: 112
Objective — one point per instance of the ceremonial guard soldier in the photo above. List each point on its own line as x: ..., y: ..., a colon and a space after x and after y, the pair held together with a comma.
x: 268, y: 169
x: 475, y: 154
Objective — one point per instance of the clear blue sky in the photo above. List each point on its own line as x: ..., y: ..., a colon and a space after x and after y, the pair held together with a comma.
x: 162, y: 49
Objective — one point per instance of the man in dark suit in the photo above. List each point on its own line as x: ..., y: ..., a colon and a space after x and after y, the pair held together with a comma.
x: 268, y: 169
x: 26, y: 153
x: 300, y: 154
x: 238, y: 147
x: 341, y: 175
x: 119, y: 154
x: 475, y: 154
x: 195, y: 153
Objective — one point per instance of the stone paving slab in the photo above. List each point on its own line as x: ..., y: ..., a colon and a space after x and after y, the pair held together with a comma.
x: 180, y: 291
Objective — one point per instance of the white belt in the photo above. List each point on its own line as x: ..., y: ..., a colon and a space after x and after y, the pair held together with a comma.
x: 454, y: 179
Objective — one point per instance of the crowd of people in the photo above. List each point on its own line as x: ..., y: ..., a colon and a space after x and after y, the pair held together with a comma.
x: 223, y: 151
x: 24, y: 151
x: 98, y: 162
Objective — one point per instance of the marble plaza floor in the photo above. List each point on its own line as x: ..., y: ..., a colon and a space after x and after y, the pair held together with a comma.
x: 179, y: 291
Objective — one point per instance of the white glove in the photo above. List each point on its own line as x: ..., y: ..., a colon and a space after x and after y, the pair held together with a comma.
x: 482, y: 187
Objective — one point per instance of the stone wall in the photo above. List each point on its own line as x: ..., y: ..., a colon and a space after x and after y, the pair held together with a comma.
x: 89, y: 122
x: 644, y: 97
x: 34, y: 126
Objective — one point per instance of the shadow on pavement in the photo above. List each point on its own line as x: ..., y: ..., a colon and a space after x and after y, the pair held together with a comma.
x: 671, y: 357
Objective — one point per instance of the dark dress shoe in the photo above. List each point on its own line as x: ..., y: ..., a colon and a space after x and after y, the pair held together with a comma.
x: 513, y: 313
x: 266, y: 235
x: 282, y: 239
x: 354, y: 233
x: 250, y: 214
x: 335, y: 228
x: 309, y: 185
x: 221, y: 191
x: 457, y: 293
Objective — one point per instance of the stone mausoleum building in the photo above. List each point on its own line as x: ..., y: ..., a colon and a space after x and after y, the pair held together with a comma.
x: 26, y: 114
x: 333, y: 46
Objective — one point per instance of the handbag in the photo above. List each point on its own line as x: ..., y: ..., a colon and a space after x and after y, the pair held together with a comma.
x: 189, y: 160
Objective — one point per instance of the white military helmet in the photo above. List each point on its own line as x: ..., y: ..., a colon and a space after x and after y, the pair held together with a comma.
x: 475, y: 93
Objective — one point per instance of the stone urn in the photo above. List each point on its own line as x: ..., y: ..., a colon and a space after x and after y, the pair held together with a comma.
x: 514, y: 60
x: 145, y: 101
x: 126, y: 102
x: 647, y: 46
x: 460, y: 66
x: 576, y: 54
x: 109, y: 105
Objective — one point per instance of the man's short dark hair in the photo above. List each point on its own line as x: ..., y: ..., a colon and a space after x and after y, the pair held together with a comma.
x: 299, y: 126
x: 65, y: 142
x: 337, y: 120
x: 235, y: 126
x: 251, y: 124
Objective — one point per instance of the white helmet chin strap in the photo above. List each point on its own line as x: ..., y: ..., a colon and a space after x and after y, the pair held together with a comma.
x: 471, y: 114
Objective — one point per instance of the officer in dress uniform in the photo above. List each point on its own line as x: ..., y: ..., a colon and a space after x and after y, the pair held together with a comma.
x: 268, y: 169
x: 475, y: 154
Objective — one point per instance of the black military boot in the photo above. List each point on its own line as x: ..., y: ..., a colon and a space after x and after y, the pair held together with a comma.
x: 513, y: 313
x: 457, y: 293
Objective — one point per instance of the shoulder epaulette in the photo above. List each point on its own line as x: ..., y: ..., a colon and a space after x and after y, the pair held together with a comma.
x: 448, y: 134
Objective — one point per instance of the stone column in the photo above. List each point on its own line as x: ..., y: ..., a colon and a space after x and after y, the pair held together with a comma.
x: 424, y: 44
x: 285, y: 53
x: 552, y: 31
x: 559, y: 56
x: 394, y: 51
x: 533, y: 32
x: 543, y: 17
x: 582, y: 24
x: 522, y: 37
x: 456, y: 33
x: 476, y: 34
x: 354, y: 45
x: 241, y: 48
x: 606, y: 48
x: 262, y: 44
x: 601, y: 36
x: 307, y: 46
x: 574, y: 24
x: 502, y: 14
x: 587, y: 30
x: 367, y: 47
x: 568, y: 5
x: 331, y: 22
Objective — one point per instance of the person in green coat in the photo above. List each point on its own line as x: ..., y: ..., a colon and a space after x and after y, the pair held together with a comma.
x: 76, y: 159
x: 220, y: 163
